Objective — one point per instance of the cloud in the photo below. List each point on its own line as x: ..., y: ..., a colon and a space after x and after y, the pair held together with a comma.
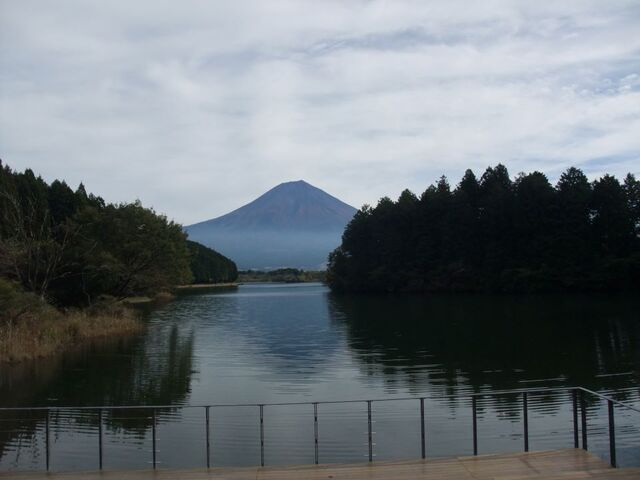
x: 197, y: 107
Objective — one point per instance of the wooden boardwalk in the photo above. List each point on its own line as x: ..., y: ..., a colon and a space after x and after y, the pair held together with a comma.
x: 568, y: 464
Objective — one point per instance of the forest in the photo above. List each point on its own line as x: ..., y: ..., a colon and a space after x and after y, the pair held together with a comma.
x: 72, y: 248
x: 209, y: 266
x: 495, y: 234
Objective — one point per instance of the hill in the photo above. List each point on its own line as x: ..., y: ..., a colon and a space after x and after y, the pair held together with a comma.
x: 292, y: 225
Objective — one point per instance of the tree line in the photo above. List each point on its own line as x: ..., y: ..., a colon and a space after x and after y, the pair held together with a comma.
x: 73, y: 248
x: 209, y: 266
x: 282, y: 275
x: 496, y: 234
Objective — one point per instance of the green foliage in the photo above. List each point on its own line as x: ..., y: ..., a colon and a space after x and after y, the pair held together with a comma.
x: 31, y: 243
x: 496, y: 234
x: 123, y: 250
x: 71, y: 248
x: 632, y: 191
x: 17, y: 305
x: 612, y: 222
x: 209, y: 266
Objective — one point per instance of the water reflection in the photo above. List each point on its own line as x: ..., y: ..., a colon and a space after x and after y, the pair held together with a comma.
x: 447, y: 343
x: 154, y: 369
x: 282, y: 343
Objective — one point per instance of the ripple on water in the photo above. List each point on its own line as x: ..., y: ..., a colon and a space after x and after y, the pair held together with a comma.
x: 279, y: 343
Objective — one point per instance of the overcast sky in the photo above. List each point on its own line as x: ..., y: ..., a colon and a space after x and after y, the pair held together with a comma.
x: 197, y: 107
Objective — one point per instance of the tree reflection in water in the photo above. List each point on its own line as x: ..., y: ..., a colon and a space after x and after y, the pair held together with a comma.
x: 153, y: 369
x: 447, y: 343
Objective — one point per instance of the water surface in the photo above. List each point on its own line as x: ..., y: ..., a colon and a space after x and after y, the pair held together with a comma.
x: 271, y: 343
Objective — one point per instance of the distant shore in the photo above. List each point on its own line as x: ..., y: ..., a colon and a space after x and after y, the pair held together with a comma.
x: 282, y: 275
x: 196, y: 286
x: 165, y: 297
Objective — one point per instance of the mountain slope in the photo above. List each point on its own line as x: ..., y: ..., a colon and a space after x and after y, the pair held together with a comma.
x: 292, y: 225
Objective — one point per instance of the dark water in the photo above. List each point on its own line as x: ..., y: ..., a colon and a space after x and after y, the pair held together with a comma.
x: 289, y: 343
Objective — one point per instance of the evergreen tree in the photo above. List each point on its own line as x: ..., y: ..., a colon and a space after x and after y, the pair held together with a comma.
x: 465, y: 222
x: 573, y: 243
x: 496, y: 235
x: 496, y: 220
x: 72, y: 248
x: 613, y: 225
x: 209, y: 266
x: 533, y: 220
x: 632, y: 191
x: 63, y: 202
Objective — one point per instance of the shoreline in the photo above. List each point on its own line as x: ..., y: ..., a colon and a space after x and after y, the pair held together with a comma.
x: 51, y: 332
x: 197, y: 286
x: 33, y: 339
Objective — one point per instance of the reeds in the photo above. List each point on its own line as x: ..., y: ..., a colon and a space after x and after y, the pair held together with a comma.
x: 49, y: 331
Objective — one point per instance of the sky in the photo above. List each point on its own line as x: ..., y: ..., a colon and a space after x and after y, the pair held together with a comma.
x: 198, y: 107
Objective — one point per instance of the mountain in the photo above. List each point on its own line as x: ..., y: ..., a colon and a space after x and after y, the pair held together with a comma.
x: 292, y: 225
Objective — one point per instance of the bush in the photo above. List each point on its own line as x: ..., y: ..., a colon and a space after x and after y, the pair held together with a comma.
x: 17, y: 305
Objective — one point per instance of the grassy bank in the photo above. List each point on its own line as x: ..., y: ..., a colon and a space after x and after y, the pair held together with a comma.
x: 53, y: 331
x: 31, y: 328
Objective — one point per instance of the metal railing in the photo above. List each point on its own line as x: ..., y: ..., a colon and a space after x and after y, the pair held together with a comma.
x: 576, y: 392
x: 578, y: 399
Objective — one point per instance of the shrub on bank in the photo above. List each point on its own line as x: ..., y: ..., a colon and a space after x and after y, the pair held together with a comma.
x: 30, y: 328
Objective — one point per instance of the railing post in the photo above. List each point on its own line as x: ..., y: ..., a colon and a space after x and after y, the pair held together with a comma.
x: 100, y: 438
x: 422, y: 438
x: 474, y: 407
x: 315, y: 431
x: 46, y: 439
x: 262, y: 435
x: 583, y: 415
x: 206, y: 414
x: 370, y: 431
x: 153, y: 436
x: 574, y: 396
x: 612, y: 435
x: 525, y: 418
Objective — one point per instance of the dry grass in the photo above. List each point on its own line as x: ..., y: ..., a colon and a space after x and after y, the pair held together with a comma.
x: 49, y: 331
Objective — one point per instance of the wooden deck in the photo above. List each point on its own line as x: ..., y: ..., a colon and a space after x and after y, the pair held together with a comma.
x: 569, y: 464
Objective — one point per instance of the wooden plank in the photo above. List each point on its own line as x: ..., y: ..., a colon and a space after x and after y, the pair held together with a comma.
x: 535, y: 463
x: 569, y: 464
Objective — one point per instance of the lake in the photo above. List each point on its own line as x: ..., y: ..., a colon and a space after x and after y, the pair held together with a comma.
x: 277, y: 343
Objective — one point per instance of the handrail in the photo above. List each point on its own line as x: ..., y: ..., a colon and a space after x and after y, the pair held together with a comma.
x: 609, y: 399
x: 211, y: 405
x: 578, y: 402
x: 583, y: 415
x: 522, y: 390
x: 321, y: 402
x: 554, y: 389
